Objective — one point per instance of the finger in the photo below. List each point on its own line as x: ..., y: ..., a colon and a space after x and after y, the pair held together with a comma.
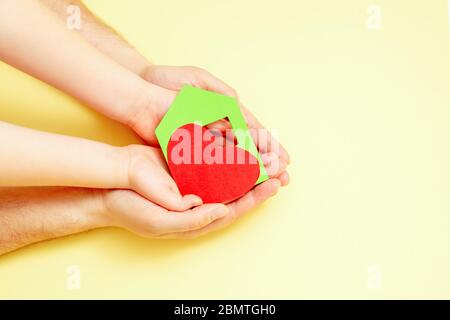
x: 273, y: 164
x: 264, y: 139
x: 197, y: 218
x: 255, y: 197
x: 284, y: 178
x: 220, y: 125
x: 159, y: 187
x: 266, y: 142
x: 209, y: 82
x: 170, y: 198
x: 174, y: 78
x: 169, y: 77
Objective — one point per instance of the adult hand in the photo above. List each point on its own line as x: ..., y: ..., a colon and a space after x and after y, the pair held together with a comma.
x: 127, y: 209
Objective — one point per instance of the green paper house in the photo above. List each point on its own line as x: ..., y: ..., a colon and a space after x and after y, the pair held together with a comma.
x: 194, y: 105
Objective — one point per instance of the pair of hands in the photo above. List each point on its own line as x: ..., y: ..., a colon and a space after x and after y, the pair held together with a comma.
x: 149, y: 177
x: 104, y: 72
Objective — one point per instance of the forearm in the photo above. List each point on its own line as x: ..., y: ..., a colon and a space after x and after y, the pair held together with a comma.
x: 30, y: 215
x: 101, y: 36
x: 33, y: 39
x: 34, y: 158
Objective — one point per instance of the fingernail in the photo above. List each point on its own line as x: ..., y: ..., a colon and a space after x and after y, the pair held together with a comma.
x: 193, y: 200
x: 196, y: 200
x: 285, y: 179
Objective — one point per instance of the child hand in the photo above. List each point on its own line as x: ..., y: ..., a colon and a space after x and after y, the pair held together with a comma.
x: 152, y: 99
x: 148, y: 176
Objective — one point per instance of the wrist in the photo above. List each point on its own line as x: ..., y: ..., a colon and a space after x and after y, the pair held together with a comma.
x: 131, y: 155
x: 95, y: 213
x: 122, y: 157
x: 146, y: 106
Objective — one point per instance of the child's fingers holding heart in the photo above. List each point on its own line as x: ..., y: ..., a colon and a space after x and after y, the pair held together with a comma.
x: 148, y: 176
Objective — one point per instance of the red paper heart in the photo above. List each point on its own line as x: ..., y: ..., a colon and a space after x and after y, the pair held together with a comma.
x: 229, y: 174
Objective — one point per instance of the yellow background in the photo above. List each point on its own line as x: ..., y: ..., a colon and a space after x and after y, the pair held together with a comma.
x: 365, y: 115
